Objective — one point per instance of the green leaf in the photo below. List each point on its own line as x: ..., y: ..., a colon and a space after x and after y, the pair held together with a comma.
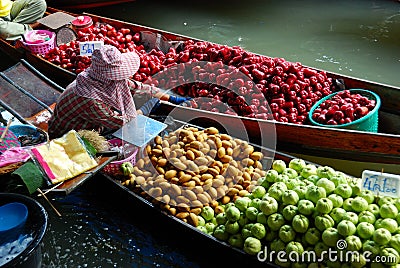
x: 89, y: 147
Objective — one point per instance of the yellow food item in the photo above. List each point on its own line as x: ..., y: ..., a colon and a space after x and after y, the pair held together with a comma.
x: 64, y: 158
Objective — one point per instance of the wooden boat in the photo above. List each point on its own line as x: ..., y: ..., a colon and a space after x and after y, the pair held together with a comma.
x: 148, y: 205
x: 221, y: 252
x: 29, y: 96
x: 75, y: 4
x: 192, y: 232
x: 382, y: 147
x: 39, y: 99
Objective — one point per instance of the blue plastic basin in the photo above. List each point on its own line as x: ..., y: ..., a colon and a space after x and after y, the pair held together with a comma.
x: 22, y: 245
x: 12, y: 215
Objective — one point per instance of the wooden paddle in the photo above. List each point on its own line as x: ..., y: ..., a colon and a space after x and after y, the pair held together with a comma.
x: 48, y: 201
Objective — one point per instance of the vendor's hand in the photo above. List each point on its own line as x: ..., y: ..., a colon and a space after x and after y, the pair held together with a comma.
x: 178, y: 100
x: 150, y: 106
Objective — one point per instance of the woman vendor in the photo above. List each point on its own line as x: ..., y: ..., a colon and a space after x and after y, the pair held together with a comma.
x: 19, y: 16
x: 100, y: 97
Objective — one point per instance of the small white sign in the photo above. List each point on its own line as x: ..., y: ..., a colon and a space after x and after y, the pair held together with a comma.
x: 382, y: 184
x: 87, y: 48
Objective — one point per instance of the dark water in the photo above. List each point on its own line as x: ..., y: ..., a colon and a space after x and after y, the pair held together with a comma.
x: 360, y: 38
x: 103, y: 228
x: 96, y: 231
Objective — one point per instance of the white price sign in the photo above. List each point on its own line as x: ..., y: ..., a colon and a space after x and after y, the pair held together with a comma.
x: 380, y: 183
x: 87, y: 48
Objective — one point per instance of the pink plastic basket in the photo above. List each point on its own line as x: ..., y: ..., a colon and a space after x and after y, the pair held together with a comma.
x: 42, y: 47
x: 113, y: 167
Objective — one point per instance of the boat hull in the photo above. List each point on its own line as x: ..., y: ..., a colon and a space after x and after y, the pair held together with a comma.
x: 302, y: 139
x: 183, y: 229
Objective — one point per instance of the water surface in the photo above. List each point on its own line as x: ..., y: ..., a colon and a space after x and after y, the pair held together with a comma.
x: 360, y: 38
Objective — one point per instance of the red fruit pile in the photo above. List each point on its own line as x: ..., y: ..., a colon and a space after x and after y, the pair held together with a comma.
x: 67, y: 55
x: 288, y: 88
x: 344, y: 107
x: 234, y: 81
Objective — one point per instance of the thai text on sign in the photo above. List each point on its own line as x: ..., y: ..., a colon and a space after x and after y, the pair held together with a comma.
x: 87, y: 48
x: 380, y: 183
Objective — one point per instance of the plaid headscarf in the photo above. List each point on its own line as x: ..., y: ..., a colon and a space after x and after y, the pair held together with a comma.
x: 106, y: 79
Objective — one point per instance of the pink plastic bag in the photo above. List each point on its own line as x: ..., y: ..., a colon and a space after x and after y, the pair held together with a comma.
x: 14, y: 155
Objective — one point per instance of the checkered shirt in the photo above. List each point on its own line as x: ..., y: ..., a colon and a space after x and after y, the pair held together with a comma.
x: 76, y: 112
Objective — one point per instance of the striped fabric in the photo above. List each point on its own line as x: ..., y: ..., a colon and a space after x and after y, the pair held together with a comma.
x: 116, y: 94
x: 77, y: 112
x: 100, y: 97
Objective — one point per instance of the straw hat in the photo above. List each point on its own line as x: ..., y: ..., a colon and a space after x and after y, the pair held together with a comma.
x: 5, y: 7
x: 109, y: 63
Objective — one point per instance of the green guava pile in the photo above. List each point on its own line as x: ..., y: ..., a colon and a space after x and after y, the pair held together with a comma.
x: 307, y: 208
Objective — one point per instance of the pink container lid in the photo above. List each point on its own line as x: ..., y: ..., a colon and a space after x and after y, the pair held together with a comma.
x: 82, y: 21
x: 38, y: 36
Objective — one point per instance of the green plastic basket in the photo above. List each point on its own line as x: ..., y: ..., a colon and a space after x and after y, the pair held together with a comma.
x: 366, y: 123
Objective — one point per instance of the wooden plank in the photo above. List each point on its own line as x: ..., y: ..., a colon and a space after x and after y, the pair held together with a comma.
x: 340, y: 143
x: 9, y: 49
x: 59, y: 75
